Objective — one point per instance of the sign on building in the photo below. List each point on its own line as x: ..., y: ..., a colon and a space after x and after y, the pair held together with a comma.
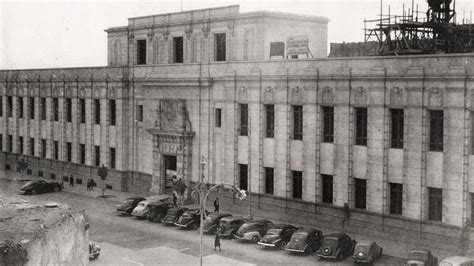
x: 297, y: 45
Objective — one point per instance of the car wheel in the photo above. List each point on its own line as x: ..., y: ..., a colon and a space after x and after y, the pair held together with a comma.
x: 282, y: 244
x: 255, y: 239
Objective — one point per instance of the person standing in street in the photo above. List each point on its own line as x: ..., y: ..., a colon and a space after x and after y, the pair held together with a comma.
x: 217, y: 242
x: 175, y: 200
x: 93, y: 184
x: 88, y: 184
x: 216, y: 205
x: 71, y: 181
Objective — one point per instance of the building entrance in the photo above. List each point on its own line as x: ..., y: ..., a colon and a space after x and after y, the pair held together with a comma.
x: 170, y: 173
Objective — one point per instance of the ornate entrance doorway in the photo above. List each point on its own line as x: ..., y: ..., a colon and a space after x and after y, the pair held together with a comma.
x: 170, y: 174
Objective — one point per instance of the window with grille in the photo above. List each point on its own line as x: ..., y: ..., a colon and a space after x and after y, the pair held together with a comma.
x: 140, y: 113
x: 9, y: 106
x: 436, y: 130
x: 297, y: 122
x: 97, y: 155
x: 327, y: 192
x: 56, y: 109
x: 178, y: 49
x: 360, y: 193
x: 328, y: 124
x: 361, y: 126
x: 31, y: 107
x: 82, y: 110
x: 244, y: 119
x: 435, y: 204
x: 20, y: 107
x: 141, y: 52
x: 43, y: 108
x: 68, y: 110
x: 297, y: 184
x: 220, y: 46
x: 396, y: 198
x: 112, y: 111
x: 243, y: 176
x: 97, y: 111
x: 268, y: 180
x: 269, y: 120
x: 82, y: 153
x: 397, y: 116
x: 218, y: 117
x: 112, y: 158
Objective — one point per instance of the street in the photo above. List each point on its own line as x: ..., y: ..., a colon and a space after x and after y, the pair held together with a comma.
x: 127, y: 240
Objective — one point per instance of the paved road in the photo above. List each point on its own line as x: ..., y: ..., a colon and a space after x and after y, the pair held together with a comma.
x: 129, y: 241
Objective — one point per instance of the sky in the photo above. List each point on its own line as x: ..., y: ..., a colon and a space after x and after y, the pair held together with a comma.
x: 61, y: 33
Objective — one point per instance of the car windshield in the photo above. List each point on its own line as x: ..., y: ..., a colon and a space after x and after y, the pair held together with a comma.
x: 29, y: 183
x: 300, y: 235
x: 418, y: 255
x: 330, y: 241
x: 274, y: 232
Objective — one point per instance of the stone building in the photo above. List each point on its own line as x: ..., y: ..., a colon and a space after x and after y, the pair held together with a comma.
x: 201, y: 93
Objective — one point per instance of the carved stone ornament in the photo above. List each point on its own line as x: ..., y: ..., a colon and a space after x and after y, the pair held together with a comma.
x: 327, y: 95
x: 111, y: 92
x: 171, y: 115
x: 360, y: 96
x: 396, y: 96
x: 268, y: 94
x: 296, y: 94
x: 435, y: 96
x: 243, y: 93
x: 82, y: 92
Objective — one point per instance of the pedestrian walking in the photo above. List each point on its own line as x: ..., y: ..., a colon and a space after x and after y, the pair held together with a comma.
x: 71, y: 181
x: 175, y: 200
x: 216, y: 205
x: 217, y: 242
x: 88, y: 184
x: 93, y: 184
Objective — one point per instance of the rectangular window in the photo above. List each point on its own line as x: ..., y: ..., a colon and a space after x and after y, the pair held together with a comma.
x: 220, y: 46
x: 20, y: 145
x: 396, y: 198
x: 1, y: 142
x: 218, y: 117
x: 97, y: 111
x: 297, y: 184
x: 32, y: 146
x: 435, y: 204
x: 244, y: 119
x: 436, y: 130
x: 68, y: 110
x: 82, y: 155
x: 140, y: 113
x: 141, y: 52
x: 178, y: 49
x: 56, y: 109
x: 277, y: 49
x: 20, y: 107
x: 69, y: 151
x: 472, y: 209
x: 112, y: 112
x: 328, y: 124
x: 297, y: 122
x: 10, y: 143
x: 360, y: 192
x: 9, y: 106
x: 112, y: 158
x: 43, y: 108
x: 31, y: 107
x: 82, y: 110
x: 43, y: 148
x: 97, y: 155
x: 1, y: 105
x: 56, y: 149
x: 327, y: 192
x: 268, y: 180
x: 361, y: 126
x: 397, y: 116
x: 269, y: 120
x: 243, y: 176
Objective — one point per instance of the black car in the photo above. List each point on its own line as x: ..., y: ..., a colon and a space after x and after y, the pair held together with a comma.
x: 305, y: 240
x: 336, y: 246
x: 127, y: 206
x: 39, y: 186
x: 190, y: 219
x: 212, y: 221
x: 157, y: 211
x: 172, y: 215
x: 228, y: 226
x: 278, y: 236
x: 253, y: 230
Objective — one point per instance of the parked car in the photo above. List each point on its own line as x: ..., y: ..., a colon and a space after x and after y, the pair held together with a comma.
x: 253, y: 230
x: 94, y: 251
x: 39, y: 186
x: 367, y: 252
x: 172, y: 215
x: 421, y: 257
x: 190, y: 219
x: 212, y: 221
x: 305, y: 240
x: 127, y: 206
x: 457, y: 261
x: 158, y: 210
x: 336, y: 246
x: 141, y: 211
x: 278, y: 236
x: 228, y: 226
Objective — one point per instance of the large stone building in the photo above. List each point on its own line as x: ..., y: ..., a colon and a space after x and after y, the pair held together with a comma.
x: 219, y: 93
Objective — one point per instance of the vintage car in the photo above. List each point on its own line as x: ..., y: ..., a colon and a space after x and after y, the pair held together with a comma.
x: 158, y: 210
x: 94, y: 251
x: 141, y: 211
x: 39, y: 186
x: 336, y: 246
x: 366, y: 252
x: 253, y: 230
x: 421, y: 257
x: 172, y: 215
x: 305, y: 240
x: 127, y: 206
x: 457, y: 261
x: 212, y: 222
x: 278, y: 236
x: 190, y: 219
x: 228, y: 226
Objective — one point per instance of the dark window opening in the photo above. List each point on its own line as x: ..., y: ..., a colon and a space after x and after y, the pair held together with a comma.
x: 269, y: 120
x: 112, y: 158
x: 7, y: 167
x: 397, y: 116
x: 361, y: 126
x: 29, y: 171
x: 327, y: 181
x: 218, y: 117
x: 1, y: 105
x: 140, y: 113
x: 10, y: 143
x: 78, y: 181
x: 269, y: 180
x: 141, y: 52
x: 112, y: 110
x: 297, y: 122
x: 1, y: 142
x: 244, y: 119
x: 31, y: 105
x: 69, y: 151
x: 82, y: 155
x: 328, y: 124
x: 20, y: 144
x: 68, y: 110
x: 56, y: 150
x: 396, y: 198
x: 297, y: 184
x: 43, y: 148
x: 43, y: 108
x: 97, y: 155
x: 32, y: 146
x: 82, y: 110
x: 472, y: 209
x: 178, y: 50
x: 56, y: 109
x: 435, y: 204
x: 436, y: 130
x: 108, y: 186
x: 360, y: 199
x: 220, y: 46
x: 277, y: 49
x: 97, y: 111
x: 52, y: 176
x: 243, y: 176
x: 40, y: 173
x: 20, y: 107
x: 9, y: 106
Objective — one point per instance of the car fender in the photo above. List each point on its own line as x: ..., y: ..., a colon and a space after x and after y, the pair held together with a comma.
x: 249, y: 235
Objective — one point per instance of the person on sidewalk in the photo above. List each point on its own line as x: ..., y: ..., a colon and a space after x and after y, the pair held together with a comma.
x: 71, y: 181
x: 88, y: 184
x: 175, y: 200
x: 216, y: 205
x: 93, y: 184
x: 217, y: 242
